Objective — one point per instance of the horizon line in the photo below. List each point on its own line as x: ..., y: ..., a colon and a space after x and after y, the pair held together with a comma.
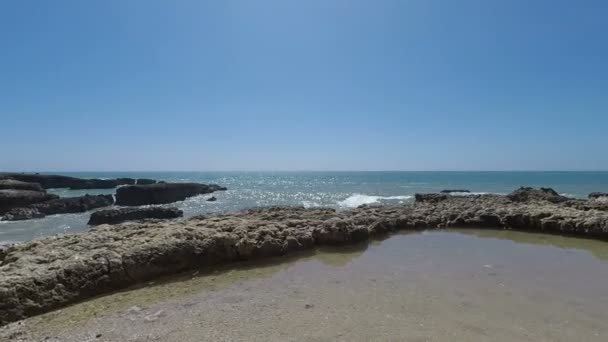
x: 279, y: 170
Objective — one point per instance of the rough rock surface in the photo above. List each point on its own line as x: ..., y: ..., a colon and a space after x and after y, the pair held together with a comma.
x: 10, y: 199
x: 59, y: 206
x: 161, y: 193
x: 19, y: 185
x: 430, y: 197
x: 525, y: 194
x: 145, y: 181
x: 115, y: 216
x: 55, y: 271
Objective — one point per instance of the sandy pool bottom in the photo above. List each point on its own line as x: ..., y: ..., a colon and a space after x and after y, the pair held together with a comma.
x: 469, y: 285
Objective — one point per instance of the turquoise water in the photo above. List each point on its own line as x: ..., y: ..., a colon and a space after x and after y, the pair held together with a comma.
x: 331, y: 189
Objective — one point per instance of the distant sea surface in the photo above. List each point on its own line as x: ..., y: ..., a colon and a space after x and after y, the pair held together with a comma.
x: 341, y: 190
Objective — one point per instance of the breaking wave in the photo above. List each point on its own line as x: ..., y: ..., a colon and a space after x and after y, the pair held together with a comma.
x: 358, y: 199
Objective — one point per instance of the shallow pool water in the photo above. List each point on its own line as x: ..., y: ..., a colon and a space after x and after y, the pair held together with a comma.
x: 468, y: 285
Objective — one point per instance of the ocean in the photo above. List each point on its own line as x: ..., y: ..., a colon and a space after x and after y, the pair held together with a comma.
x: 340, y: 190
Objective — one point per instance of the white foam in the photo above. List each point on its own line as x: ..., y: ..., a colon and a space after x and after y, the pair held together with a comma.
x: 310, y: 204
x: 602, y: 199
x: 474, y: 193
x: 358, y: 199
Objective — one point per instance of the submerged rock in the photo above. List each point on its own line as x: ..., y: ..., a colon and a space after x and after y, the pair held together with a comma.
x: 59, y: 206
x: 94, y: 184
x: 10, y: 199
x: 6, y: 184
x: 526, y: 194
x: 454, y: 191
x: 115, y: 216
x: 211, y: 199
x: 161, y: 193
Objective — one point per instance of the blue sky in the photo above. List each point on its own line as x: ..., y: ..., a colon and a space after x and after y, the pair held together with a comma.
x: 303, y: 85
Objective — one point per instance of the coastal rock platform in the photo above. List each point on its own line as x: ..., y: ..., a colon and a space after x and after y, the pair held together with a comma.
x: 45, y: 274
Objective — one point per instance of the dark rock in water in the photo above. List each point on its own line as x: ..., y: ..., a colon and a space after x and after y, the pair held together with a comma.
x: 10, y: 199
x: 46, y: 181
x: 114, y: 216
x: 58, y: 181
x: 82, y: 184
x: 125, y: 181
x: 430, y: 197
x: 20, y: 214
x: 58, y: 206
x: 161, y: 193
x: 211, y: 199
x: 19, y: 185
x: 526, y: 194
x: 454, y: 191
x: 596, y: 195
x: 145, y: 181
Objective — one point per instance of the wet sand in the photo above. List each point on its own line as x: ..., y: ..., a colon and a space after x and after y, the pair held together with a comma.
x: 475, y: 285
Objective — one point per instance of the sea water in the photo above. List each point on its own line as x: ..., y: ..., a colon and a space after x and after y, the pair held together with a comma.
x: 340, y: 190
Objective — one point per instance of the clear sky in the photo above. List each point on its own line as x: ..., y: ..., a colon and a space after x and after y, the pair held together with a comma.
x: 303, y: 85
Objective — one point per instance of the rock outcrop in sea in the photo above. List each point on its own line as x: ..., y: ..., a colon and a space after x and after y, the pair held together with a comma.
x: 115, y: 216
x: 161, y: 193
x: 452, y: 191
x: 55, y: 271
x: 10, y: 198
x: 11, y: 184
x: 145, y: 181
x: 64, y: 205
x: 59, y: 181
x: 525, y: 194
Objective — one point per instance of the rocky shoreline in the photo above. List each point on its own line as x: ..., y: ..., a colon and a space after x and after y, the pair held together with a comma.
x: 46, y: 274
x: 24, y: 196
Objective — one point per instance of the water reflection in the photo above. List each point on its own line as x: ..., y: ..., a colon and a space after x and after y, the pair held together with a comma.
x: 599, y: 249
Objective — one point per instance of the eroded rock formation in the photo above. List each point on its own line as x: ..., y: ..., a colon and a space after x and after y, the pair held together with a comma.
x: 51, y: 272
